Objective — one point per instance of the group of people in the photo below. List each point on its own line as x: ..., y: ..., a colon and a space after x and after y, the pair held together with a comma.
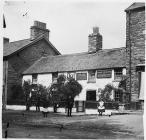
x: 69, y: 106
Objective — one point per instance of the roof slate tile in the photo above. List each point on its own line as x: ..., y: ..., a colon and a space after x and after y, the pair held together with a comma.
x: 108, y: 58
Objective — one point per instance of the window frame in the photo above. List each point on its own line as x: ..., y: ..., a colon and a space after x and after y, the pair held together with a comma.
x: 118, y: 73
x: 91, y: 79
x: 103, y: 72
x: 54, y: 78
x: 80, y: 78
x: 34, y: 78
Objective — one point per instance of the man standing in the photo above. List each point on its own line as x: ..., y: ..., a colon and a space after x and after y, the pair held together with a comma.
x: 70, y: 103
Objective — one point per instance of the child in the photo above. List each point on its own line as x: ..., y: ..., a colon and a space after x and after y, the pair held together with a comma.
x: 45, y: 109
x: 101, y: 107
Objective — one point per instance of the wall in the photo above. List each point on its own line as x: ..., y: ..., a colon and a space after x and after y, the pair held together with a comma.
x: 135, y: 37
x: 19, y: 62
x: 46, y: 80
x: 100, y: 83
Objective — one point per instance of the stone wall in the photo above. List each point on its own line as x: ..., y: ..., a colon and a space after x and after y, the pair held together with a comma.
x: 135, y: 48
x: 22, y: 60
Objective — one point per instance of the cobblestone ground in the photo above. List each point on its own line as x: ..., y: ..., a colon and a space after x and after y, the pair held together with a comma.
x: 33, y: 125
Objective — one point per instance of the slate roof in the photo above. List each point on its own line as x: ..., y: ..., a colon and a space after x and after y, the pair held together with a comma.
x: 13, y: 47
x: 135, y: 6
x: 108, y: 58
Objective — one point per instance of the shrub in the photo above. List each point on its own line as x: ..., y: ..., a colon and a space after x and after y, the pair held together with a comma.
x: 17, y: 92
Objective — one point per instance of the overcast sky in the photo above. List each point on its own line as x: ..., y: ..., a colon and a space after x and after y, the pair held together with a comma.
x: 69, y: 21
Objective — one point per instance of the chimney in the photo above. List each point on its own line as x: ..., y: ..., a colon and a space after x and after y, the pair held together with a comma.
x: 95, y: 41
x: 5, y: 40
x: 39, y: 29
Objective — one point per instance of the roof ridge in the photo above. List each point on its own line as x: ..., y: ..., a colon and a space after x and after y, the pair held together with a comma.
x: 82, y: 53
x: 20, y: 40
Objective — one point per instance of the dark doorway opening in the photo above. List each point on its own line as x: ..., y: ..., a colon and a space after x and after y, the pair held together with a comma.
x: 91, y: 99
x: 91, y: 95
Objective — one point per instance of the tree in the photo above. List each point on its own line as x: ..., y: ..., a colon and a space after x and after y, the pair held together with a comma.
x: 39, y: 95
x: 17, y: 92
x: 71, y: 89
x: 106, y: 93
x: 64, y: 90
x: 27, y: 90
x: 56, y: 91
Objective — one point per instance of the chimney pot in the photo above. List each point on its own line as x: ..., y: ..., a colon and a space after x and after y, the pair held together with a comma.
x: 40, y: 24
x: 95, y: 30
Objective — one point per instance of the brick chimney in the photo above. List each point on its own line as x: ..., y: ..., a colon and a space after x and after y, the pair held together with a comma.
x: 38, y: 29
x: 95, y: 41
x: 5, y: 40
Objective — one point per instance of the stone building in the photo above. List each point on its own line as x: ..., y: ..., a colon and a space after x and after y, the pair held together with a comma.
x: 135, y: 53
x: 93, y: 70
x: 20, y: 55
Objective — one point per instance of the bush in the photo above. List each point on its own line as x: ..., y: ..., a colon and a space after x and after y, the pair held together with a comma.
x: 17, y: 92
x: 16, y: 102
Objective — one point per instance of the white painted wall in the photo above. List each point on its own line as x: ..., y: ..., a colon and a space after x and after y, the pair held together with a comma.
x: 124, y: 71
x: 27, y: 78
x: 44, y: 79
x: 100, y: 83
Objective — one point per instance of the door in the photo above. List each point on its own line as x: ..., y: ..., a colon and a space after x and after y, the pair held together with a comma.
x: 80, y: 106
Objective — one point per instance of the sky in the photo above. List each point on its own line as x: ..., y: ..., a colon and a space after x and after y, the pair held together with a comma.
x: 69, y: 21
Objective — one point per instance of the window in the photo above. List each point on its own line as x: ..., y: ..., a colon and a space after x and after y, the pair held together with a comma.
x: 71, y: 75
x: 54, y: 76
x: 91, y: 76
x: 104, y: 74
x: 81, y: 76
x: 118, y: 73
x: 118, y: 96
x: 34, y: 78
x: 91, y: 95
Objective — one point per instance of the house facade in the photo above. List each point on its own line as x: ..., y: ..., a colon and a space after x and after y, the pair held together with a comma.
x: 20, y: 55
x: 97, y: 67
x: 135, y: 53
x: 93, y: 70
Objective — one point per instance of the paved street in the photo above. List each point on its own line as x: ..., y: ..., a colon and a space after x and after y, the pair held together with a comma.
x: 33, y: 125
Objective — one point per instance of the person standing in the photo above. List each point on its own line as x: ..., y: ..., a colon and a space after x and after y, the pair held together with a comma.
x: 45, y: 108
x: 38, y: 101
x: 101, y: 107
x: 70, y: 103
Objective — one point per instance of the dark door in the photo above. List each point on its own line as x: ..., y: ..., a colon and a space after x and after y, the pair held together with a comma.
x: 80, y: 106
x: 91, y: 100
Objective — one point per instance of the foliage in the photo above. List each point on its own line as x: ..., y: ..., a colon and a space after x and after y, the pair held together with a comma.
x: 106, y: 93
x: 63, y: 89
x: 17, y: 92
x: 56, y: 90
x: 26, y: 89
x: 43, y: 92
x: 72, y: 88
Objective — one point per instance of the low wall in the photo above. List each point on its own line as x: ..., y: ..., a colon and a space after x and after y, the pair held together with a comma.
x: 60, y: 110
